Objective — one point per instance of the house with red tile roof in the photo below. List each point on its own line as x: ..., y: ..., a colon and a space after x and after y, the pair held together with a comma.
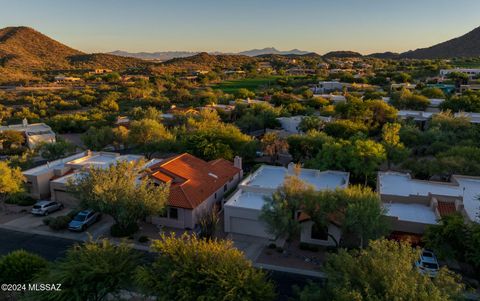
x: 196, y: 186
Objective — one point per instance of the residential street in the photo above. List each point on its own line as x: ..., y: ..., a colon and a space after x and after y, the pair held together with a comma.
x: 47, y: 246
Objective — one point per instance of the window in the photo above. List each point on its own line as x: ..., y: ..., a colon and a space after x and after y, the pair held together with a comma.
x: 319, y: 232
x: 215, y: 195
x: 225, y: 188
x: 173, y: 213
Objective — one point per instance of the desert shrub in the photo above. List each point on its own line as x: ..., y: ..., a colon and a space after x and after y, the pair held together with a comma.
x: 60, y: 222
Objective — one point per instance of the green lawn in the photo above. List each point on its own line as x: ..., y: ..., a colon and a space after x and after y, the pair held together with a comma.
x: 252, y: 84
x: 232, y: 86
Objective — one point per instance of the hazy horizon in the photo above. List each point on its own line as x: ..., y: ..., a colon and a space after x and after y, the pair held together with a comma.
x: 365, y: 26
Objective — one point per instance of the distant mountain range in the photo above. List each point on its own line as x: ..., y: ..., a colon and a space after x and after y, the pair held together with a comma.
x: 24, y: 50
x: 168, y: 55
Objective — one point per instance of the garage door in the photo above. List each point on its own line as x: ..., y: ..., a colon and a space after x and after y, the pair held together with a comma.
x: 247, y: 227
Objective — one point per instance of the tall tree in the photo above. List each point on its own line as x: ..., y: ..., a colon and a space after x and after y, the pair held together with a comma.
x: 11, y: 181
x: 189, y: 268
x: 118, y: 192
x: 273, y: 146
x: 150, y: 136
x: 396, y: 151
x: 280, y: 209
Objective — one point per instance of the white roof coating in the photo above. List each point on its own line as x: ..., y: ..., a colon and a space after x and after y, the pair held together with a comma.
x: 274, y: 176
x: 267, y: 179
x: 251, y: 200
x: 411, y: 212
x: 464, y: 187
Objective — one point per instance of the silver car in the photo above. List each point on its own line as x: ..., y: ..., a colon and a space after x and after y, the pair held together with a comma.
x: 46, y: 207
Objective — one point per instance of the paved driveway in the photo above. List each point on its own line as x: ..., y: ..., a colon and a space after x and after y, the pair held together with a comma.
x: 34, y: 224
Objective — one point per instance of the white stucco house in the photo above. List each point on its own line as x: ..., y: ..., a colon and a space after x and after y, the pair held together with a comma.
x: 242, y: 210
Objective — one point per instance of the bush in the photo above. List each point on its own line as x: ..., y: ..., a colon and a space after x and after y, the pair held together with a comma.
x: 20, y: 199
x: 272, y: 246
x: 59, y: 222
x: 47, y: 220
x: 117, y: 231
x: 143, y: 238
x: 72, y: 213
x: 20, y: 266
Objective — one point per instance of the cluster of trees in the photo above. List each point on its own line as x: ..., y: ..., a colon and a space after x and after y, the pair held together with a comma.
x: 204, y: 135
x: 383, y: 271
x: 452, y: 238
x: 449, y: 145
x: 185, y: 268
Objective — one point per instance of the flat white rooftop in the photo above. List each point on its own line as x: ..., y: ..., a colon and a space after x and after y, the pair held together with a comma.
x: 267, y: 179
x: 411, y: 212
x: 28, y: 128
x: 250, y: 200
x: 274, y: 176
x: 463, y: 187
x: 80, y: 160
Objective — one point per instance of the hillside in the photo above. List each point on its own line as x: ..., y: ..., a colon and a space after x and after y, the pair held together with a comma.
x: 24, y: 49
x: 467, y: 45
x: 341, y: 54
x: 205, y: 61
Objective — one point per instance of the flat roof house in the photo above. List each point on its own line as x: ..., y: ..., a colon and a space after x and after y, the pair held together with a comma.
x: 414, y: 204
x: 243, y: 208
x: 196, y: 186
x: 34, y: 133
x: 49, y: 180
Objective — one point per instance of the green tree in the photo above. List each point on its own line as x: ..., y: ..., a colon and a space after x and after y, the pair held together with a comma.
x: 118, y: 192
x: 364, y: 214
x: 280, y: 209
x: 11, y: 180
x: 189, y: 268
x: 97, y: 138
x: 95, y: 270
x: 20, y: 266
x: 120, y: 136
x: 150, y: 136
x: 11, y: 139
x: 273, y: 146
x: 396, y: 151
x: 57, y: 150
x: 243, y: 93
x: 385, y: 271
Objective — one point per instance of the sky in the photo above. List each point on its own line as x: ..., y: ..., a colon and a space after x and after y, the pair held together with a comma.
x: 365, y: 26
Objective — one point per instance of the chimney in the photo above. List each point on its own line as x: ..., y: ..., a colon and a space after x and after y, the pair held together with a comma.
x: 25, y: 122
x: 237, y: 162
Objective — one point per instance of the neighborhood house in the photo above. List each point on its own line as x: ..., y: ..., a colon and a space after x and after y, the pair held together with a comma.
x: 412, y: 204
x: 34, y: 133
x: 243, y: 208
x: 196, y: 186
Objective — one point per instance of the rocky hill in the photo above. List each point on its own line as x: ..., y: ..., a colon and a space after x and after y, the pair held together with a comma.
x: 467, y: 45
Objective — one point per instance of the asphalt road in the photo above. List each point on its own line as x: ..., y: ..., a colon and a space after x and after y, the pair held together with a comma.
x: 48, y: 247
x: 53, y: 248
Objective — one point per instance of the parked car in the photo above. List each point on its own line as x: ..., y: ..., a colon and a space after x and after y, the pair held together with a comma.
x: 83, y: 220
x: 46, y: 207
x: 428, y: 264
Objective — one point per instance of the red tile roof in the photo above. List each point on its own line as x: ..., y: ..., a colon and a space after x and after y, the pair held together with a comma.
x: 192, y: 180
x: 446, y: 208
